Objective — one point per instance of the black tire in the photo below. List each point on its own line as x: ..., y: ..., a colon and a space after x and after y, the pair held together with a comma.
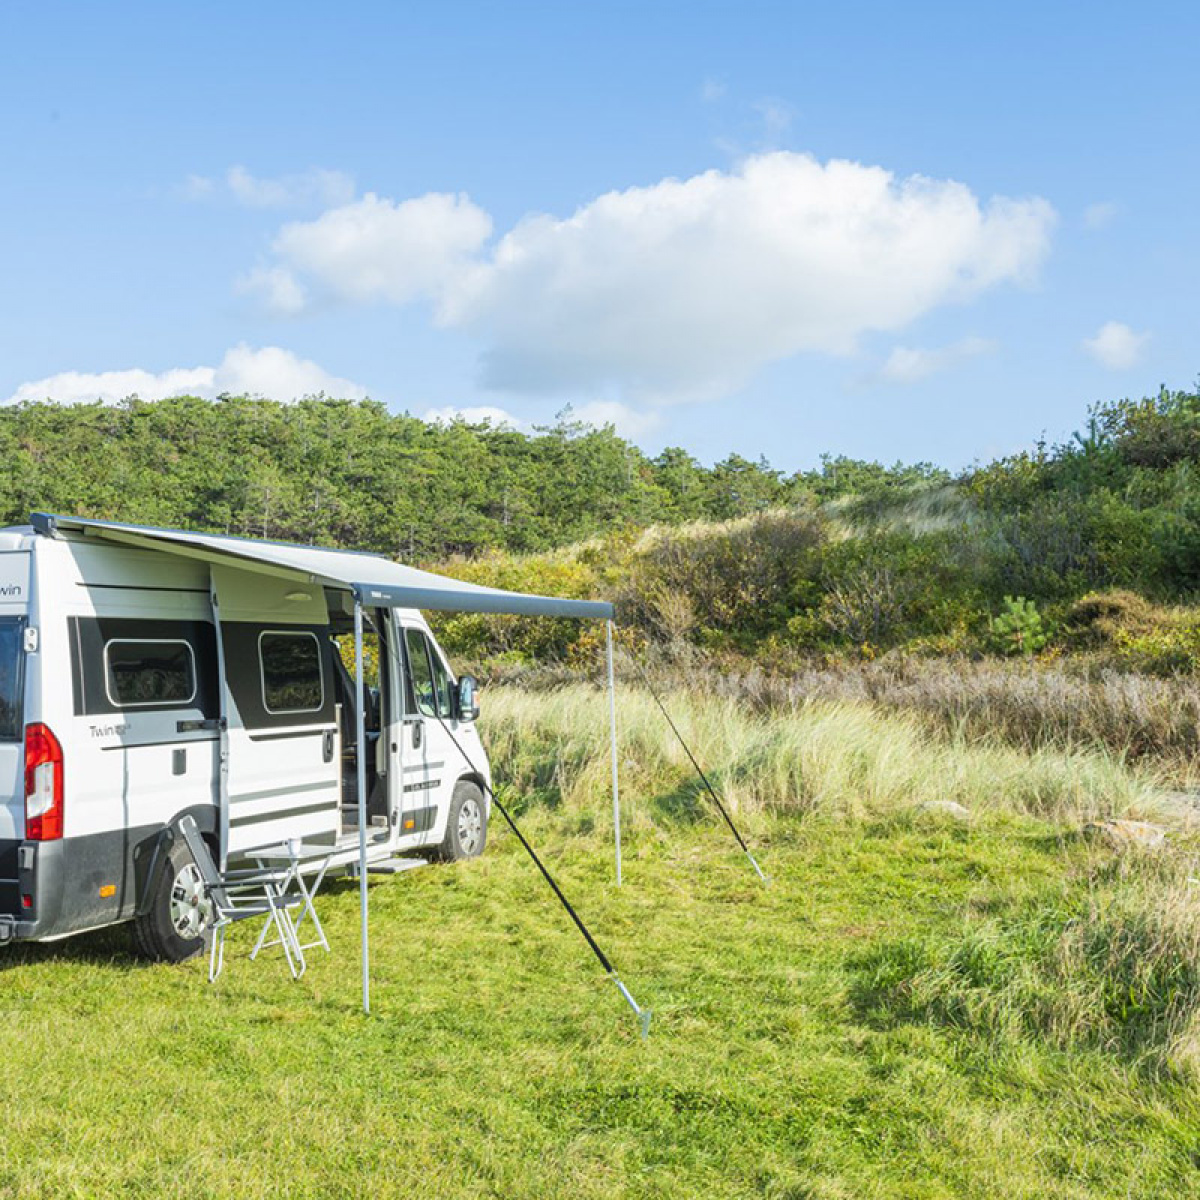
x: 171, y: 929
x: 466, y: 826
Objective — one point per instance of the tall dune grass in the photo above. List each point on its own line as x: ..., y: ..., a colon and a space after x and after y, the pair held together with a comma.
x: 835, y: 757
x: 1105, y: 956
x: 1030, y: 705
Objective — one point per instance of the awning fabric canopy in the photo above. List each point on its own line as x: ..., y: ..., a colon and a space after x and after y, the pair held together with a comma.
x: 376, y: 581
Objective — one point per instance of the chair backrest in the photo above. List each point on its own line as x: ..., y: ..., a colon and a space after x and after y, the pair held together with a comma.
x: 198, y: 848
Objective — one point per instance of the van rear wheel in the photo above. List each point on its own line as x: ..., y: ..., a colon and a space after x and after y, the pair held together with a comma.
x: 466, y: 828
x: 172, y: 929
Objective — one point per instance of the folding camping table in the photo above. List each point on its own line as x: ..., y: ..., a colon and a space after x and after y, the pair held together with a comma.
x: 297, y: 855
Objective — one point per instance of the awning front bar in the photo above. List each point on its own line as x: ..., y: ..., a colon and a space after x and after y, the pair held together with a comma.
x: 512, y: 604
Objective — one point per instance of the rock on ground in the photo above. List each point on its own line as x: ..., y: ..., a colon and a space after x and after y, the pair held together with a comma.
x: 945, y: 808
x: 1123, y: 834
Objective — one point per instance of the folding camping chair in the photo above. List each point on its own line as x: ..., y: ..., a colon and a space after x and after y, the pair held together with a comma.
x: 241, y: 894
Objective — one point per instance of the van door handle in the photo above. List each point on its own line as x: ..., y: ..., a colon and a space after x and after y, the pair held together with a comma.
x: 213, y: 724
x: 416, y: 735
x: 327, y: 746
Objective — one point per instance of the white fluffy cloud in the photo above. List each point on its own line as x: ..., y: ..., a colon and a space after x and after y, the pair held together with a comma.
x: 628, y: 422
x: 270, y: 371
x: 482, y: 414
x: 317, y: 186
x: 1116, y: 346
x: 377, y: 249
x: 910, y: 364
x: 275, y: 287
x: 684, y: 288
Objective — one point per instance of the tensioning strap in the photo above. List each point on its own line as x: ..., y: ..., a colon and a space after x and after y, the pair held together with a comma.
x: 741, y: 841
x: 643, y: 1014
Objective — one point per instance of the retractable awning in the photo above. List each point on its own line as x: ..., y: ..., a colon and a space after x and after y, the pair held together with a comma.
x: 376, y: 581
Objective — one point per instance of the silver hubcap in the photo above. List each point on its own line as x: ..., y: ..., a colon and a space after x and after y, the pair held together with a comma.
x: 191, y: 909
x: 470, y: 827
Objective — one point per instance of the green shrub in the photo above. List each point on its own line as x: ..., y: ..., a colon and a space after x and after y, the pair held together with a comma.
x: 1019, y: 629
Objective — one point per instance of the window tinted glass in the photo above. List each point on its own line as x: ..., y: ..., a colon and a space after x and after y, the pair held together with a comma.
x: 145, y: 672
x: 291, y: 672
x: 441, y: 682
x: 419, y: 672
x: 12, y: 664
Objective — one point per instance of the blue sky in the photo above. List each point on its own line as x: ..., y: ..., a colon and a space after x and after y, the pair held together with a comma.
x: 915, y: 232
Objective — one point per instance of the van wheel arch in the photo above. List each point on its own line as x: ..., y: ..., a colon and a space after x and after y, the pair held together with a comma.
x: 466, y: 822
x: 154, y: 931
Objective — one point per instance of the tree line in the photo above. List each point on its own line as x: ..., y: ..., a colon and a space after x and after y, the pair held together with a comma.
x: 351, y: 473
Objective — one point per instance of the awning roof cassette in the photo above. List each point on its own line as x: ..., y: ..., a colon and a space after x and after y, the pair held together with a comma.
x: 376, y: 581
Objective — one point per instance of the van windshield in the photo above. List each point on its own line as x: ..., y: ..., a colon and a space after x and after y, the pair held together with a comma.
x: 12, y: 666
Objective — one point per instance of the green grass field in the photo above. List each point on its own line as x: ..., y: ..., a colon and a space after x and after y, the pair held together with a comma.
x: 912, y: 1009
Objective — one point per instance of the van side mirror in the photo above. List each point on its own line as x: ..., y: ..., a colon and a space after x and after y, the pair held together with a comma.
x: 467, y: 708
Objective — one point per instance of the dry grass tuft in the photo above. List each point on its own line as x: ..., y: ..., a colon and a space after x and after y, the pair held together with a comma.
x: 832, y: 756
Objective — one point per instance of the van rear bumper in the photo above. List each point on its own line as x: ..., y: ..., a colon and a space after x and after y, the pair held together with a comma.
x: 49, y: 889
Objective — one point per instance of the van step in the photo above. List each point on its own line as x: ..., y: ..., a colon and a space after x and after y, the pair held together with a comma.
x: 393, y: 866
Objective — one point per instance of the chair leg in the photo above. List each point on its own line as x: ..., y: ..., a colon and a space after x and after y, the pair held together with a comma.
x: 262, y: 942
x: 216, y: 954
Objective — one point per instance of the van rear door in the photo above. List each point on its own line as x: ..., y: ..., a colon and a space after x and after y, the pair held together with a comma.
x: 14, y: 594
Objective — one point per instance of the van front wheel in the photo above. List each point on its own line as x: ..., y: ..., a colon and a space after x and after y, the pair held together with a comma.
x: 466, y: 827
x: 172, y: 928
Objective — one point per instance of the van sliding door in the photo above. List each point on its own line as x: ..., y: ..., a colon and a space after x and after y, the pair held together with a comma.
x: 283, y: 742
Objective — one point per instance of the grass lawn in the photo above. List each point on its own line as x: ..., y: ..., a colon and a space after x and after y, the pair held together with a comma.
x: 500, y: 1062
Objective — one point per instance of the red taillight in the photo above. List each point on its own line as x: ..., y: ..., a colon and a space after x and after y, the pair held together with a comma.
x: 43, y: 784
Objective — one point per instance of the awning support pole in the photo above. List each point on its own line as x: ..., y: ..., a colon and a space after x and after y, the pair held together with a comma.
x: 222, y: 727
x: 360, y: 757
x: 612, y: 730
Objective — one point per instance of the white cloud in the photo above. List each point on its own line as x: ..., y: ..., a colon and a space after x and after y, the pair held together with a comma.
x: 684, y: 288
x: 377, y: 249
x: 776, y: 118
x: 687, y: 287
x: 712, y: 90
x: 276, y: 288
x: 1116, y: 346
x: 1097, y: 216
x: 910, y: 364
x: 317, y: 186
x: 197, y: 187
x: 270, y: 371
x: 279, y: 375
x: 628, y: 422
x: 478, y: 415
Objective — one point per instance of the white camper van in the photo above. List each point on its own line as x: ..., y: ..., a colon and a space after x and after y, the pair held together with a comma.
x: 146, y: 674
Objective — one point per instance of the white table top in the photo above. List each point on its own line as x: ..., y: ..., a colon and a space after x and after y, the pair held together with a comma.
x: 294, y: 852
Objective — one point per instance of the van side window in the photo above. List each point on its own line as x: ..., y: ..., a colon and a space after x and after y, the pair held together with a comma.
x: 419, y: 672
x: 291, y: 671
x: 441, y: 680
x: 140, y: 672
